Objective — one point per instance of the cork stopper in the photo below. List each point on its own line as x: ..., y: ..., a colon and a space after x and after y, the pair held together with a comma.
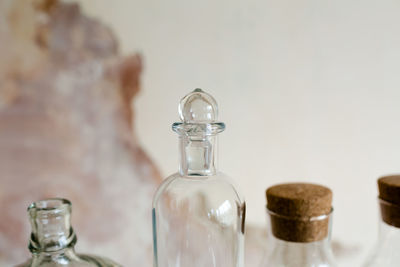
x: 299, y: 211
x: 389, y: 195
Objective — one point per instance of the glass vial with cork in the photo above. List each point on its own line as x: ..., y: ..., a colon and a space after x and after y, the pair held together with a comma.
x: 387, y: 250
x: 300, y: 221
x: 53, y: 239
x: 198, y: 214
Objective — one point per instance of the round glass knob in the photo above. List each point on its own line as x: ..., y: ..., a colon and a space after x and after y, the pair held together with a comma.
x: 198, y: 107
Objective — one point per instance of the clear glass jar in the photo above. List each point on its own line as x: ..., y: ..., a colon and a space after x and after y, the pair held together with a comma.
x: 198, y: 215
x: 301, y: 240
x: 53, y: 239
x: 386, y: 252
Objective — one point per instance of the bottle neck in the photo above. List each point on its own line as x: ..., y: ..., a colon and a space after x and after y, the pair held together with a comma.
x: 51, y: 227
x: 197, y: 155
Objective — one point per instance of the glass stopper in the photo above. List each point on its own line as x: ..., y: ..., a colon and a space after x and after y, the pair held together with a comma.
x: 198, y: 107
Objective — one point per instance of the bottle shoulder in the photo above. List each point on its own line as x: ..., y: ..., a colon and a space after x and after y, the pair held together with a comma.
x: 99, y: 261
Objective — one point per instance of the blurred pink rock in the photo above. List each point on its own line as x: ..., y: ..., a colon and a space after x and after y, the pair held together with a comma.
x: 66, y: 130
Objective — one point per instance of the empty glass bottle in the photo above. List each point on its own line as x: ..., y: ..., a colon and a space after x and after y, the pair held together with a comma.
x: 53, y: 239
x: 387, y: 251
x: 198, y: 215
x: 300, y: 222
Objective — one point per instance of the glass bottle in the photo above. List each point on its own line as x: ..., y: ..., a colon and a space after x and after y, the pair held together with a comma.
x: 53, y: 239
x: 198, y: 215
x: 387, y: 250
x: 300, y: 219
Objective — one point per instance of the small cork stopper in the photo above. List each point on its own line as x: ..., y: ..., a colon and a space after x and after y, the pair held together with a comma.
x: 299, y: 211
x: 389, y: 193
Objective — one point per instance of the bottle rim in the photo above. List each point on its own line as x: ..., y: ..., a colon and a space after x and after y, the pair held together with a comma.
x: 198, y: 129
x: 50, y: 205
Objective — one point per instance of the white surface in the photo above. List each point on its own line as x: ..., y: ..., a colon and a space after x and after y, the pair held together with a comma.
x: 309, y: 90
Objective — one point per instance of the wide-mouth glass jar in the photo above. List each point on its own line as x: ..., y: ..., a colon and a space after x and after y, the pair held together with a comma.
x: 299, y: 224
x: 386, y: 252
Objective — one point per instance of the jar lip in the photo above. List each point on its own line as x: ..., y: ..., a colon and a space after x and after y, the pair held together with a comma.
x: 50, y: 205
x: 301, y: 218
x: 388, y: 203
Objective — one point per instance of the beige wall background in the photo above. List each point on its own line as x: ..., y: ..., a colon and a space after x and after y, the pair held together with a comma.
x: 309, y: 90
